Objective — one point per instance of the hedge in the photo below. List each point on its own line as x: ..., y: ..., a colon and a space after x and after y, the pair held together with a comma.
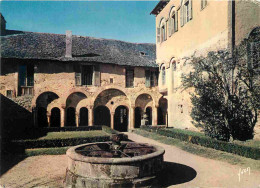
x: 113, y: 131
x: 48, y: 143
x: 200, y: 139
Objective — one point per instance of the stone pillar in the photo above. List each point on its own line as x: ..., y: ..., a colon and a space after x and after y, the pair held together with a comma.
x: 112, y: 114
x: 132, y: 117
x: 155, y: 115
x: 62, y: 115
x: 49, y: 119
x: 77, y: 119
x: 90, y: 116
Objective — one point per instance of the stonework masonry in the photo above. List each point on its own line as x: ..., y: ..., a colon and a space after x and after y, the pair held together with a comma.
x: 208, y: 29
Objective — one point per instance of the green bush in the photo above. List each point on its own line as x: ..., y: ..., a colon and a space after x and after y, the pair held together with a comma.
x: 112, y: 131
x: 200, y: 139
x: 49, y: 143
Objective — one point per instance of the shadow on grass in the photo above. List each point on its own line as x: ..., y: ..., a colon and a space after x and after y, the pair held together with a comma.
x: 174, y: 174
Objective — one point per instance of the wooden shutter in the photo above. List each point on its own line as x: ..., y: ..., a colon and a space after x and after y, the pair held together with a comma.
x: 147, y: 78
x: 190, y: 9
x: 97, y: 75
x: 176, y: 21
x: 181, y: 16
x: 77, y: 78
x: 156, y: 78
x: 158, y: 34
x: 129, y: 78
x: 170, y: 27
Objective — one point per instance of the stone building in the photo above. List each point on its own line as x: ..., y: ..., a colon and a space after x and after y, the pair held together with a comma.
x: 81, y: 81
x: 186, y: 28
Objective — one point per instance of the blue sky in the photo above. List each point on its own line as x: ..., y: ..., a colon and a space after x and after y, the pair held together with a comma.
x: 123, y: 20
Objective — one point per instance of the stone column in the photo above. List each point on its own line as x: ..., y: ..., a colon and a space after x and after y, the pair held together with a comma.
x: 112, y: 114
x: 77, y: 119
x: 155, y: 115
x: 49, y: 119
x: 90, y: 116
x: 62, y: 115
x: 132, y: 117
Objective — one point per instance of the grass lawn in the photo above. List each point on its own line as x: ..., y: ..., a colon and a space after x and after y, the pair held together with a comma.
x: 72, y: 134
x: 202, y: 151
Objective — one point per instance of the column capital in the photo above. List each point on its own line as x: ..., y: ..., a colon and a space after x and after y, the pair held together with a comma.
x: 90, y: 107
x: 63, y: 106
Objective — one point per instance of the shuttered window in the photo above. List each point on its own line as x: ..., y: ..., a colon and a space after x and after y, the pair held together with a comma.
x: 186, y: 12
x: 148, y: 78
x: 158, y: 34
x: 87, y: 75
x: 203, y: 4
x: 129, y: 77
x: 26, y: 75
x: 163, y: 76
x: 97, y: 75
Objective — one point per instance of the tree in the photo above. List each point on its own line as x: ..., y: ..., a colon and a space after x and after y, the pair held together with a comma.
x: 226, y: 99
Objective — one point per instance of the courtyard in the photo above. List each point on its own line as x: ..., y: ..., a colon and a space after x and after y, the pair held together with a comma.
x: 182, y: 169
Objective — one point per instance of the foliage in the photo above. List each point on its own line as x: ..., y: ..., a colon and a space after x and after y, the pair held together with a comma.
x: 202, y: 140
x: 226, y: 98
x: 58, y: 142
x: 200, y: 150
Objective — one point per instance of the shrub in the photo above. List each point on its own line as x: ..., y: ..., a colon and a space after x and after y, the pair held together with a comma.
x: 200, y: 139
x: 49, y: 143
x: 227, y: 93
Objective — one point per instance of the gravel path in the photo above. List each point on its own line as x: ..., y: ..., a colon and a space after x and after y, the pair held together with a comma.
x: 182, y: 169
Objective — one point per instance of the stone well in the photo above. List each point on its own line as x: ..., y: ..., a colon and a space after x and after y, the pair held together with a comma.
x: 105, y: 165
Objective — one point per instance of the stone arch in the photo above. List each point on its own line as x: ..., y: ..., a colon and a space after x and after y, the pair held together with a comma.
x: 83, y: 116
x: 162, y: 112
x: 254, y: 32
x: 138, y: 117
x: 108, y: 88
x: 34, y: 100
x: 144, y: 100
x: 55, y: 120
x: 102, y: 116
x: 145, y: 93
x: 111, y: 97
x: 121, y: 118
x: 45, y: 98
x: 41, y: 103
x: 71, y: 91
x: 74, y: 98
x: 173, y: 7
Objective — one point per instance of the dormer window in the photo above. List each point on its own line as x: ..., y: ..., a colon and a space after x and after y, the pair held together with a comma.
x: 143, y: 54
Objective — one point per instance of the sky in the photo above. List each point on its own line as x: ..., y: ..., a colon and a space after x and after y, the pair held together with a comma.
x: 122, y: 20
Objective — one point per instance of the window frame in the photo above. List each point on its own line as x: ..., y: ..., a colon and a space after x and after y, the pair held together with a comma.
x: 129, y: 83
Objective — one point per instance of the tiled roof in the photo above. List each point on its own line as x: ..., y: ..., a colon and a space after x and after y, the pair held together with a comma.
x: 31, y: 45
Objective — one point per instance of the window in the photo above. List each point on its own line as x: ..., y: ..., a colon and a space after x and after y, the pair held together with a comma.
x: 111, y: 80
x: 9, y: 94
x: 163, y: 35
x: 87, y: 75
x: 173, y: 22
x: 26, y: 79
x: 203, y: 4
x: 129, y: 75
x: 151, y: 78
x: 161, y: 31
x: 163, y: 76
x: 173, y: 73
x: 186, y: 12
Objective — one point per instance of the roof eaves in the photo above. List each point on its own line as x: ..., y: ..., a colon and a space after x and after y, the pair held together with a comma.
x: 158, y: 8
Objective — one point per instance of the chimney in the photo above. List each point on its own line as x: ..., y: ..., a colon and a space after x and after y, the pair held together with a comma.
x: 68, y: 44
